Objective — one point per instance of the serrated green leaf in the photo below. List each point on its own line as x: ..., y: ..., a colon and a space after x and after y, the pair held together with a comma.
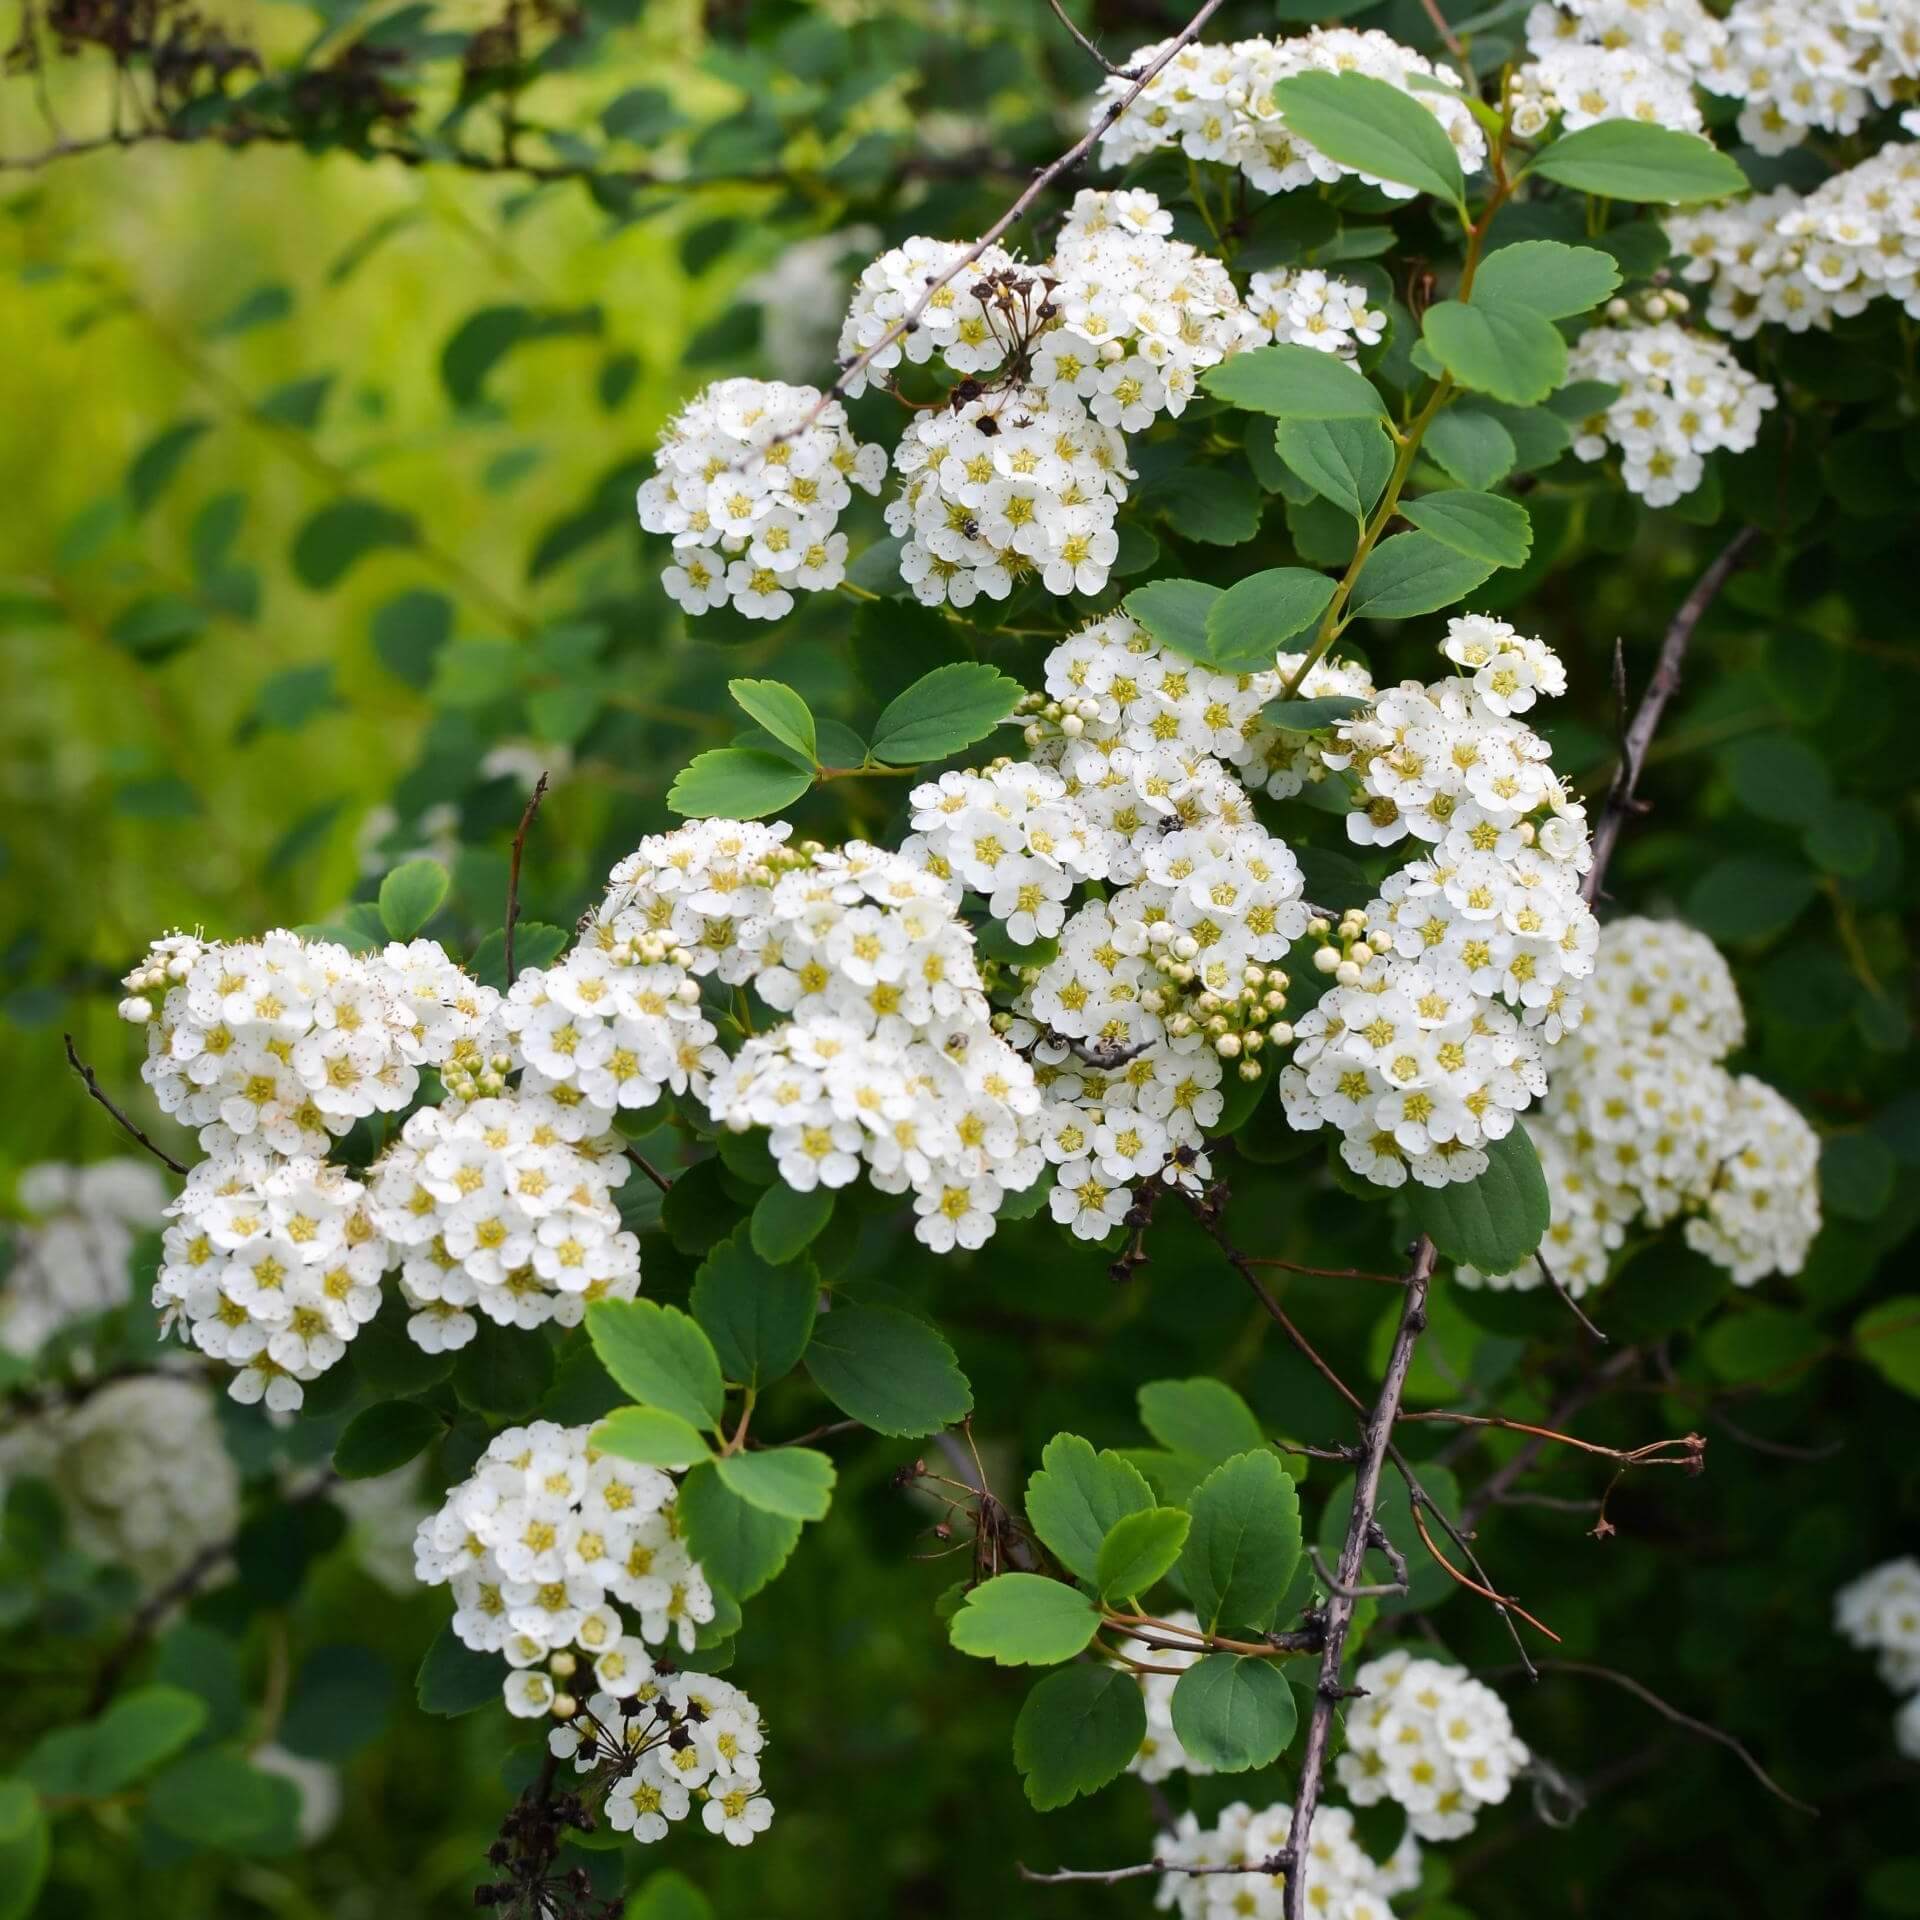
x: 1346, y: 461
x: 1480, y: 525
x: 381, y: 1438
x: 411, y: 895
x: 1234, y: 1714
x: 1202, y: 1417
x: 660, y: 1356
x: 1377, y: 128
x: 757, y: 1315
x: 1078, y: 1729
x: 1887, y: 1336
x: 1511, y: 352
x: 787, y: 1221
x: 1494, y: 1221
x: 651, y: 1437
x: 1413, y: 573
x: 736, y: 783
x: 1140, y: 1548
x: 1631, y: 160
x: 1294, y: 383
x: 795, y: 1483
x: 1024, y: 1620
x: 1313, y: 716
x: 740, y: 1545
x: 1553, y: 279
x: 1174, y: 613
x: 1472, y: 446
x: 1077, y: 1498
x: 1249, y: 623
x: 1244, y: 1544
x: 887, y: 1370
x: 943, y: 711
x: 781, y: 711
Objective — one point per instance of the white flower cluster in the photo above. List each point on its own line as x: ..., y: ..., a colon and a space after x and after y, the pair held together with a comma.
x: 1022, y: 472
x: 1806, y: 66
x: 539, y: 1542
x: 752, y: 477
x: 1583, y: 85
x: 1429, y: 1737
x: 1780, y: 259
x: 1880, y: 1614
x: 1681, y: 34
x: 1643, y: 1122
x: 271, y: 1265
x: 1448, y: 985
x: 1215, y: 102
x: 1302, y: 307
x: 1682, y: 396
x: 71, y: 1256
x: 505, y: 1205
x: 1343, y: 1881
x: 673, y: 1739
x: 140, y: 1468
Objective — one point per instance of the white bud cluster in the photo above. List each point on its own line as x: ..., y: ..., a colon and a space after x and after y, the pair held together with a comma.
x: 1343, y: 1880
x: 1215, y: 102
x: 1303, y: 307
x: 1880, y: 1614
x: 752, y: 478
x: 71, y: 1257
x: 1682, y: 396
x: 1429, y: 1737
x: 505, y: 1206
x: 539, y: 1542
x: 1643, y: 1122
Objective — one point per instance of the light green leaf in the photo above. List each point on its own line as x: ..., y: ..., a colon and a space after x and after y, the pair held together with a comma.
x: 1024, y: 1620
x: 667, y: 1895
x: 736, y: 783
x: 100, y: 1757
x: 1630, y: 160
x: 1294, y: 383
x: 1888, y: 1338
x: 1494, y: 1221
x: 758, y: 1316
x: 1511, y: 352
x: 1077, y: 1498
x: 1245, y: 1542
x: 25, y: 1846
x: 780, y: 710
x: 943, y: 711
x: 1078, y: 1729
x: 650, y: 1436
x: 1413, y: 573
x: 1472, y: 446
x: 1201, y: 1416
x: 794, y: 1482
x: 1257, y: 616
x: 1555, y: 280
x: 411, y: 895
x: 660, y: 1356
x: 1174, y: 612
x: 887, y: 1370
x: 1374, y: 127
x: 740, y: 1545
x: 1346, y: 461
x: 1139, y: 1549
x: 216, y: 1800
x: 1234, y: 1714
x: 1479, y: 525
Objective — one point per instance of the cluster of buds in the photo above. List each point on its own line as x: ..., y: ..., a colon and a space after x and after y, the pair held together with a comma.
x: 1068, y: 717
x: 478, y: 1078
x: 1237, y: 1026
x: 167, y: 962
x: 1346, y: 951
x: 1654, y: 303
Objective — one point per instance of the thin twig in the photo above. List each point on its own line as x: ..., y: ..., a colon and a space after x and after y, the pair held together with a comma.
x: 95, y: 1089
x: 513, y: 869
x: 1326, y: 1273
x: 653, y: 1173
x: 1274, y: 1864
x: 1447, y: 1567
x: 1060, y: 13
x: 1567, y: 1300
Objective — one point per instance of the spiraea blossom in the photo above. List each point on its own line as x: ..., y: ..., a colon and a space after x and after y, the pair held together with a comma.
x: 1680, y: 34
x: 650, y: 1753
x: 504, y: 1207
x: 1643, y: 1123
x: 1343, y: 1880
x: 1582, y: 85
x: 544, y: 1545
x: 1880, y: 1614
x: 271, y: 1265
x: 1303, y: 307
x: 1682, y: 396
x: 1429, y: 1737
x: 1807, y: 66
x: 1449, y: 984
x: 71, y: 1257
x: 752, y: 478
x: 1215, y: 102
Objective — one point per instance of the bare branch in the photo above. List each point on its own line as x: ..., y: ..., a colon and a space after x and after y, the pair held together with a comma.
x: 1274, y: 1864
x: 513, y: 869
x: 1060, y: 13
x: 652, y: 1172
x: 95, y: 1089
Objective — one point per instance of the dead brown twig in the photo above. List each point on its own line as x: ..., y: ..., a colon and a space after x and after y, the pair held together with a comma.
x: 97, y: 1092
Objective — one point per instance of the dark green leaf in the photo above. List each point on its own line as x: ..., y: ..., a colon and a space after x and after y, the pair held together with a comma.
x: 1551, y: 278
x: 1413, y: 573
x: 1472, y: 446
x: 1346, y: 461
x: 1077, y: 1498
x: 342, y: 534
x: 1495, y: 1221
x: 1750, y: 897
x: 1240, y: 1556
x: 1377, y: 128
x: 1201, y: 1417
x: 1294, y: 383
x: 758, y: 1315
x: 1257, y: 616
x: 1078, y: 1729
x: 264, y: 305
x: 740, y: 1545
x: 454, y: 1679
x: 787, y: 1221
x: 411, y: 895
x: 24, y: 1848
x: 1511, y: 352
x: 1480, y: 525
x: 952, y: 707
x: 154, y: 466
x: 1631, y: 160
x: 1234, y: 1714
x: 887, y: 1370
x: 215, y: 1799
x: 503, y: 1371
x: 1174, y: 612
x: 1313, y: 716
x: 484, y: 339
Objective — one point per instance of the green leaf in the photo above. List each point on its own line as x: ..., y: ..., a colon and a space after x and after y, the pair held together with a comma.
x: 660, y: 1356
x: 1888, y: 1338
x: 650, y: 1436
x: 1294, y: 383
x: 502, y: 1371
x: 794, y: 1482
x: 1511, y: 352
x: 411, y: 895
x: 781, y: 711
x: 1201, y: 1417
x: 787, y: 1221
x: 736, y: 783
x: 1174, y: 613
x: 943, y: 711
x: 1313, y: 716
x: 1480, y: 525
x: 1374, y: 127
x: 758, y: 1316
x: 1630, y: 160
x: 1024, y: 1620
x: 1779, y: 778
x: 887, y: 1370
x: 297, y: 403
x: 1078, y: 1497
x: 739, y: 1544
x: 1139, y: 1549
x: 1857, y: 1173
x: 1257, y: 616
x: 342, y: 534
x: 1219, y: 506
x: 1553, y: 279
x: 1413, y: 573
x: 667, y: 1895
x: 1240, y: 1556
x: 483, y: 339
x: 101, y: 1757
x: 25, y: 1847
x: 1234, y: 1714
x: 267, y: 303
x: 1750, y: 897
x: 1346, y: 461
x: 1472, y: 446
x: 453, y: 1679
x: 384, y: 1437
x: 1078, y: 1729
x: 535, y: 944
x: 1492, y: 1222
x: 215, y: 1799
x: 1762, y: 1345
x: 153, y: 468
